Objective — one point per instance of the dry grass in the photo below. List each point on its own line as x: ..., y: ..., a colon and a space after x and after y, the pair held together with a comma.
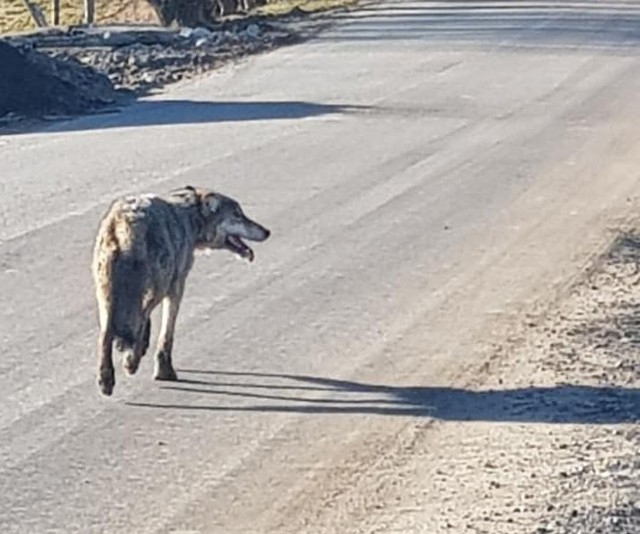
x: 14, y: 16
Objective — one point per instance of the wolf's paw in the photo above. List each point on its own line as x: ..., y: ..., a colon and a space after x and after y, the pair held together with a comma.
x: 106, y: 381
x: 165, y: 373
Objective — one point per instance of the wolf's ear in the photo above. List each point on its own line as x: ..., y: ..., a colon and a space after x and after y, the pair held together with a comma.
x: 211, y: 203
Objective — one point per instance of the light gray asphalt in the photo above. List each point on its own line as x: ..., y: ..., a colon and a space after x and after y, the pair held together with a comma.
x: 397, y: 158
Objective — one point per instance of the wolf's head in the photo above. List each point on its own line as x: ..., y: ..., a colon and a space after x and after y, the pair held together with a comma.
x: 223, y: 224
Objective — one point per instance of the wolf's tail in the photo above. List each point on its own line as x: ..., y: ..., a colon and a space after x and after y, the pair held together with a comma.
x: 128, y: 292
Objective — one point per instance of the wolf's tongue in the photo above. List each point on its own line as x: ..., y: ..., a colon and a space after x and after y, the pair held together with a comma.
x: 242, y: 249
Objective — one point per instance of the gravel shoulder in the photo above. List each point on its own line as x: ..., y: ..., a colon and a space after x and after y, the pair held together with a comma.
x: 566, y: 386
x: 582, y: 364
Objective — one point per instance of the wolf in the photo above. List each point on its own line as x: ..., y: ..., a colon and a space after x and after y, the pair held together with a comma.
x: 143, y: 252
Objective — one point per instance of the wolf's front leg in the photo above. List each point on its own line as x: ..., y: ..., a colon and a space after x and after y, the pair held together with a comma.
x: 170, y: 307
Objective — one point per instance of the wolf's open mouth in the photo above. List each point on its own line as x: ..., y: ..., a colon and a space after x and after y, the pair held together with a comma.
x: 236, y: 245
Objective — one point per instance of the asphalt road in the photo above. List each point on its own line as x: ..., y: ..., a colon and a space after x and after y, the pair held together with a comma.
x: 428, y: 171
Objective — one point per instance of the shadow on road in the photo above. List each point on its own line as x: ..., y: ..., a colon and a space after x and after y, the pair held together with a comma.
x: 585, y: 24
x: 174, y: 112
x: 263, y: 392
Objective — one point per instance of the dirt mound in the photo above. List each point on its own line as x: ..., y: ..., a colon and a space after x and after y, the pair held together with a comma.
x: 35, y: 85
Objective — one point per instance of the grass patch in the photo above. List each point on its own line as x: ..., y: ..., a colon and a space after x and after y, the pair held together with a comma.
x: 14, y: 16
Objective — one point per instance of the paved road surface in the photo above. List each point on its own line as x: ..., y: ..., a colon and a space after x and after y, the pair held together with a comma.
x: 428, y: 170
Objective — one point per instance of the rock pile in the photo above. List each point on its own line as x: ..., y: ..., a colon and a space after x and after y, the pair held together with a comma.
x: 33, y: 84
x: 143, y: 67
